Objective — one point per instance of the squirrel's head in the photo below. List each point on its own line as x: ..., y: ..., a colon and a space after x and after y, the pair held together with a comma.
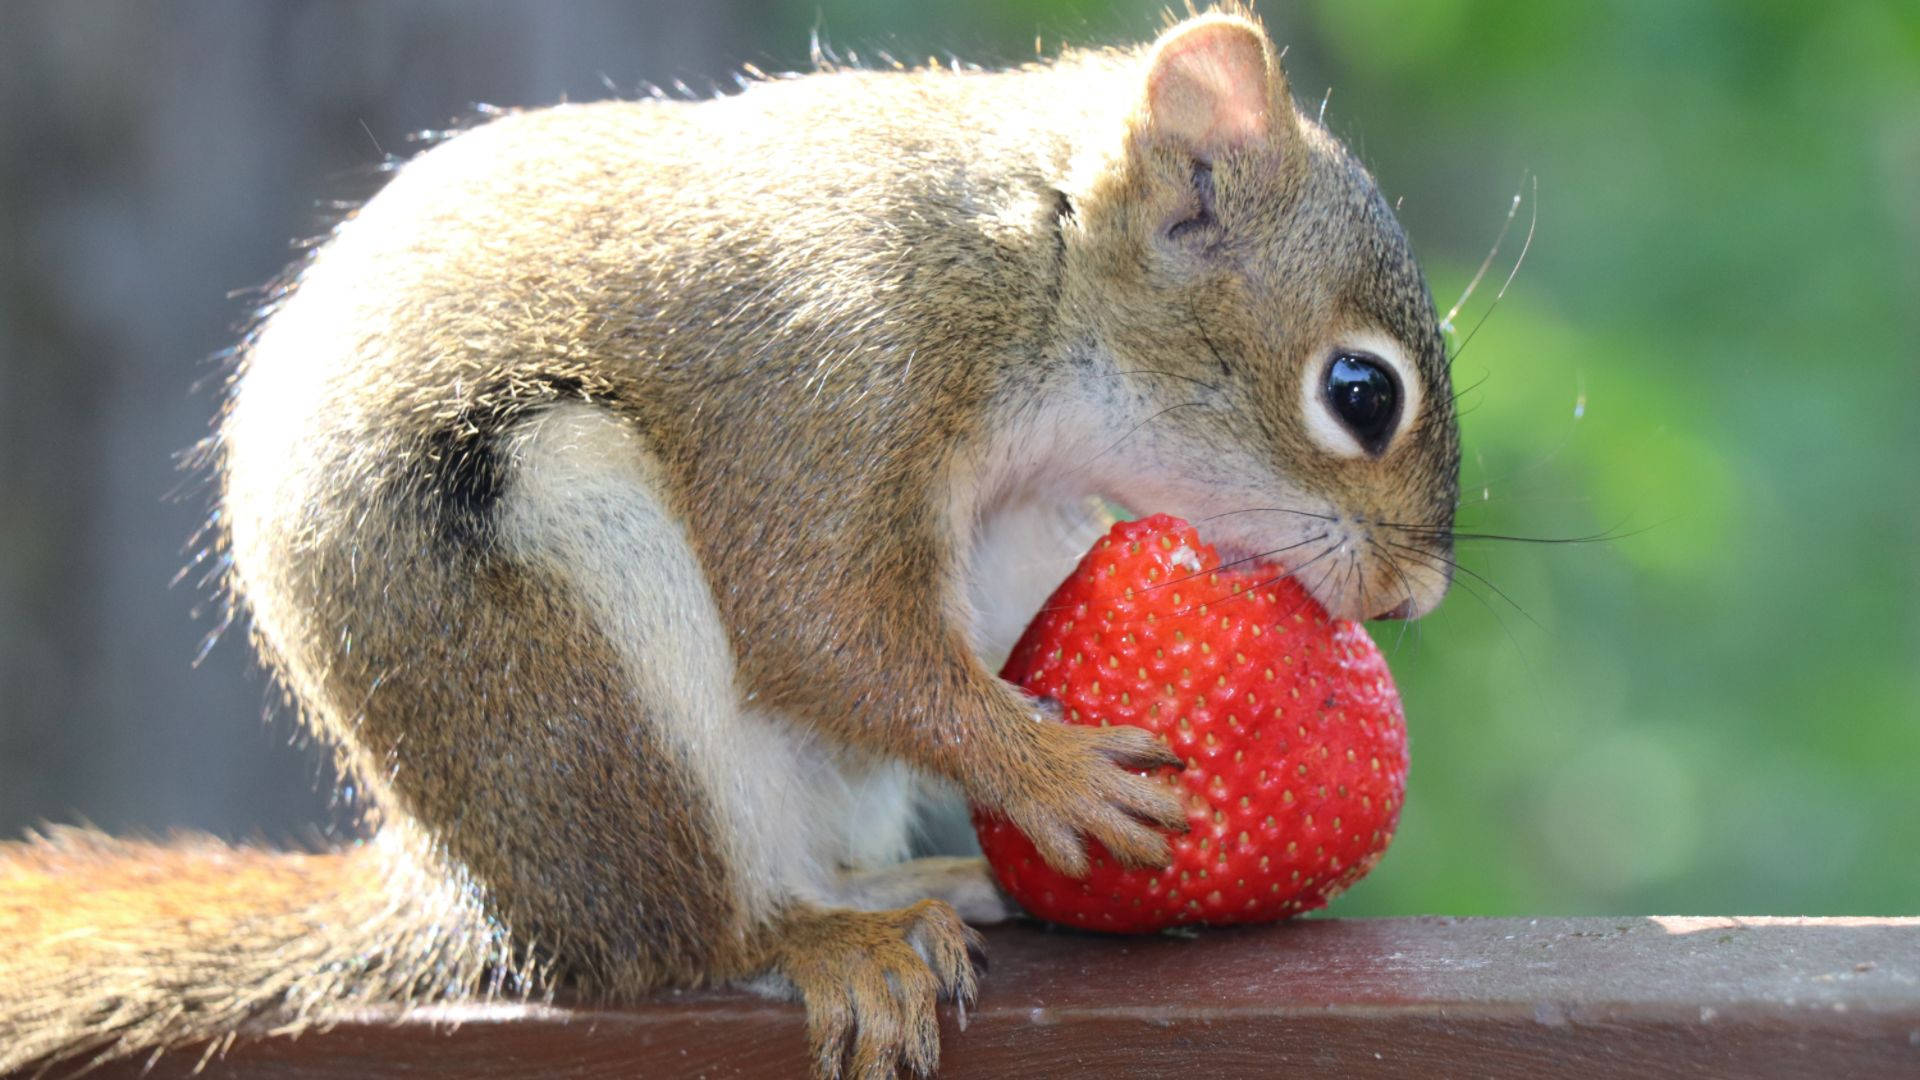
x: 1243, y: 300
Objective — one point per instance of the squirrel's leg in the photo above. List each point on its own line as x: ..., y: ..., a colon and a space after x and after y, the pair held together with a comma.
x: 923, y: 697
x: 589, y: 502
x: 546, y: 689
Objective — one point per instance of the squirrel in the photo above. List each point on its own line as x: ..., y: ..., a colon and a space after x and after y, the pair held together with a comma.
x: 631, y: 492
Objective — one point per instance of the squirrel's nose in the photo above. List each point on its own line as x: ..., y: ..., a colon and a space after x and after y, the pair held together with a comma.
x: 1403, y: 610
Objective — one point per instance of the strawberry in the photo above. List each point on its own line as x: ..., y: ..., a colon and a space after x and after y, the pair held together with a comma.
x: 1290, y: 724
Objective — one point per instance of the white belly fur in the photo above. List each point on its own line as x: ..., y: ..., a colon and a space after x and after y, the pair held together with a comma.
x: 586, y: 504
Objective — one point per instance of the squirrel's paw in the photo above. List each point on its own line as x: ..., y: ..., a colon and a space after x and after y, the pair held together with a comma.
x: 1073, y: 782
x: 871, y: 981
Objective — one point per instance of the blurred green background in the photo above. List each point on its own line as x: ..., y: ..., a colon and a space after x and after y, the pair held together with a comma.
x: 1712, y: 352
x: 1711, y: 357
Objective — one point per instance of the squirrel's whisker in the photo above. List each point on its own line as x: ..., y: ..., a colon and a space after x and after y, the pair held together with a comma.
x: 1520, y: 259
x: 1506, y: 224
x: 1436, y: 560
x: 1135, y: 430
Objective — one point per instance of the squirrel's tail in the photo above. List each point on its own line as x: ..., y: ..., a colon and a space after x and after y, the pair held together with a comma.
x: 110, y: 947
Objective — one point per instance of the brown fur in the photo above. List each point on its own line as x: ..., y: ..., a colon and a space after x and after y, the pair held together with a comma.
x: 115, y: 947
x: 817, y: 308
x: 864, y: 976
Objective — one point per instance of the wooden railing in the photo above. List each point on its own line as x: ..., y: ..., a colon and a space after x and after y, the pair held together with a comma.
x: 1426, y: 998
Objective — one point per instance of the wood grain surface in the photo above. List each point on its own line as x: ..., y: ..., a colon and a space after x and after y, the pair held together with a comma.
x: 1424, y: 998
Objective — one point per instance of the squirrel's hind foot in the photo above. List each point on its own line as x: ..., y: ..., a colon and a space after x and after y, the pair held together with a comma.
x: 871, y: 982
x: 966, y: 882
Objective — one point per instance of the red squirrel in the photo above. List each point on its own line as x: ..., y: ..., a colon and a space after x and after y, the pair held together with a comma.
x: 630, y: 492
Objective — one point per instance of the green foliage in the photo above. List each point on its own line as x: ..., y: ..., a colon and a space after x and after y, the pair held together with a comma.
x: 1711, y: 356
x: 1719, y: 709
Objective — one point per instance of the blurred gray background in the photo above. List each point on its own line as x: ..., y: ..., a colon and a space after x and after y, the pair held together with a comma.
x: 158, y: 165
x: 155, y: 158
x: 1711, y: 355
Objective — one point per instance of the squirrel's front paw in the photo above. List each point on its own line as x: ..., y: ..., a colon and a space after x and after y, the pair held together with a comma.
x: 1072, y: 781
x: 871, y: 981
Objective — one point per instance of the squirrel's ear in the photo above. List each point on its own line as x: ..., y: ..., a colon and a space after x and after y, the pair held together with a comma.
x: 1214, y: 84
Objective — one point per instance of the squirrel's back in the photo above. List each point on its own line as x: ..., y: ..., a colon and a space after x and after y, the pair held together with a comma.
x: 768, y: 285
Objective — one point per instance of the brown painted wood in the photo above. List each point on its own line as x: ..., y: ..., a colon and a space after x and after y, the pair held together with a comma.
x: 1422, y: 998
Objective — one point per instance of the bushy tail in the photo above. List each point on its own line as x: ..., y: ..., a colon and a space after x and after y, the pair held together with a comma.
x: 110, y: 948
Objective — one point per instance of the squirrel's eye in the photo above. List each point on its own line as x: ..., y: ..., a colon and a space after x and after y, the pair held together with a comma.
x: 1366, y: 397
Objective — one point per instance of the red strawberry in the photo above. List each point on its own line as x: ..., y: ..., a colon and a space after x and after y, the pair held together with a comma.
x: 1295, y: 744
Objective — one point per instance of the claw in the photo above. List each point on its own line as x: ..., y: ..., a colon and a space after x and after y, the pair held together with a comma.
x: 1161, y: 756
x: 977, y: 951
x: 872, y: 982
x: 1065, y: 853
x: 1137, y: 846
x: 1136, y: 748
x: 1162, y: 808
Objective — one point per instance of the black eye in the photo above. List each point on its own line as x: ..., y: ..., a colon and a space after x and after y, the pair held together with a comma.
x: 1366, y: 397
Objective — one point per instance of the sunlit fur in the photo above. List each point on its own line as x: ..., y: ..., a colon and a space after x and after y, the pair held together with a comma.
x: 629, y: 491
